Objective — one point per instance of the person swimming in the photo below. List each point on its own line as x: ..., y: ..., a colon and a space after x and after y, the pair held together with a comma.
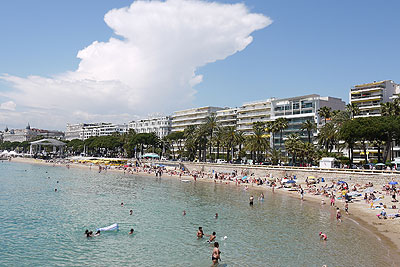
x: 216, y: 254
x: 86, y: 231
x: 200, y: 233
x: 97, y: 233
x: 89, y: 234
x: 184, y: 213
x: 122, y: 204
x: 323, y: 236
x: 213, y: 236
x: 216, y: 215
x: 131, y: 231
x: 130, y: 212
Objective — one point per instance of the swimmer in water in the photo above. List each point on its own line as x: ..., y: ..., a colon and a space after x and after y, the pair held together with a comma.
x: 184, y: 213
x: 89, y: 234
x: 97, y: 233
x: 262, y: 196
x: 130, y: 212
x: 122, y: 204
x: 216, y: 254
x: 213, y: 236
x: 86, y: 231
x: 55, y: 190
x: 338, y: 215
x: 323, y: 236
x: 131, y: 231
x: 251, y: 200
x: 200, y: 233
x: 216, y: 215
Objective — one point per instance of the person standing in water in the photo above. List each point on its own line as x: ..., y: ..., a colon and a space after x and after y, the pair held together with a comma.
x: 338, y: 215
x: 200, y: 233
x: 216, y: 254
x: 131, y: 231
x: 251, y: 200
x: 212, y: 237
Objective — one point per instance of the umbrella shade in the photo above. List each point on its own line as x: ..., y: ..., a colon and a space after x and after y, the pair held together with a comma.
x: 291, y: 182
x: 380, y: 164
x: 341, y: 182
x: 311, y: 177
x: 393, y: 182
x: 244, y: 177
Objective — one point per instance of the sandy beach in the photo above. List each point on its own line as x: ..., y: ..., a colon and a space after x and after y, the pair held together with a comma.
x: 386, y: 230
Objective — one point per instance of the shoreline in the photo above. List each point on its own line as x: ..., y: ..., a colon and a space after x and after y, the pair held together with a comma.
x: 386, y: 231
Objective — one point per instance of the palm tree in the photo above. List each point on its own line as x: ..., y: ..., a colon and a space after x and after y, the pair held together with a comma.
x: 390, y: 108
x: 271, y: 127
x: 211, y: 126
x: 239, y: 140
x: 353, y: 109
x: 218, y: 139
x: 229, y: 134
x: 258, y: 141
x: 293, y: 146
x: 281, y: 124
x: 325, y: 112
x: 309, y: 126
x: 328, y: 136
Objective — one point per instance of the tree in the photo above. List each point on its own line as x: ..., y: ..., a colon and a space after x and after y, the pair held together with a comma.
x: 325, y: 112
x: 308, y: 126
x: 353, y: 109
x: 293, y: 146
x: 281, y: 124
x: 258, y: 141
x: 211, y: 126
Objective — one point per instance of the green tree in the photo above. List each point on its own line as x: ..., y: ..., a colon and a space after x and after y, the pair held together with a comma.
x: 308, y: 126
x: 325, y: 112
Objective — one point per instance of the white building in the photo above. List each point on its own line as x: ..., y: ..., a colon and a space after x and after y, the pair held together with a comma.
x: 227, y: 117
x: 299, y: 109
x: 252, y: 112
x: 84, y: 131
x: 369, y: 96
x: 159, y: 125
x: 28, y: 134
x: 194, y: 116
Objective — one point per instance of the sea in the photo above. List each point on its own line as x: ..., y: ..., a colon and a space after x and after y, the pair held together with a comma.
x: 42, y: 227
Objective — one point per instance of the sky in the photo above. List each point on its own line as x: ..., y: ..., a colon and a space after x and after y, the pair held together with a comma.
x: 118, y: 60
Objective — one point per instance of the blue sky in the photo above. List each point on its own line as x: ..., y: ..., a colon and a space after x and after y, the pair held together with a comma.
x: 312, y: 46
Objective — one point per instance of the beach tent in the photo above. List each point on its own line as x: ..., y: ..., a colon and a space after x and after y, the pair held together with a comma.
x: 151, y: 155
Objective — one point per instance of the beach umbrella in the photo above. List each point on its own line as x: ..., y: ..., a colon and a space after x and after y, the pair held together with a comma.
x: 380, y: 164
x: 341, y: 182
x: 291, y: 182
x: 393, y: 182
x: 244, y: 177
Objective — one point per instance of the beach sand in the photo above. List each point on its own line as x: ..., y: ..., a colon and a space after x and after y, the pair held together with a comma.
x: 386, y: 230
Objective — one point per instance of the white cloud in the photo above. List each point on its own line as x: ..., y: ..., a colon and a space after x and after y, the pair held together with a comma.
x: 9, y: 105
x: 150, y: 69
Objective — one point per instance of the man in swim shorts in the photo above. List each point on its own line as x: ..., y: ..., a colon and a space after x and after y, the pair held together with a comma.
x: 251, y: 199
x: 216, y: 254
x: 212, y: 237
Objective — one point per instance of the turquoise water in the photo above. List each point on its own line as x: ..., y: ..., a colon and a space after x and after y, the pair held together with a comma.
x: 40, y: 227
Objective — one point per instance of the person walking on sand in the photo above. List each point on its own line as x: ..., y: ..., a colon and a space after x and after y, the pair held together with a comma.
x: 346, y: 208
x: 216, y: 254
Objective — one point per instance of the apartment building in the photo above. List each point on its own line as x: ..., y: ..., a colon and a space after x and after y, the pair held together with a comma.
x: 252, y: 112
x: 28, y: 134
x: 84, y: 131
x: 227, y: 117
x: 299, y: 109
x: 369, y: 96
x: 158, y: 125
x: 194, y: 116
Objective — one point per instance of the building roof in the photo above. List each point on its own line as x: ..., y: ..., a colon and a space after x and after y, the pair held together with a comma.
x: 48, y: 142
